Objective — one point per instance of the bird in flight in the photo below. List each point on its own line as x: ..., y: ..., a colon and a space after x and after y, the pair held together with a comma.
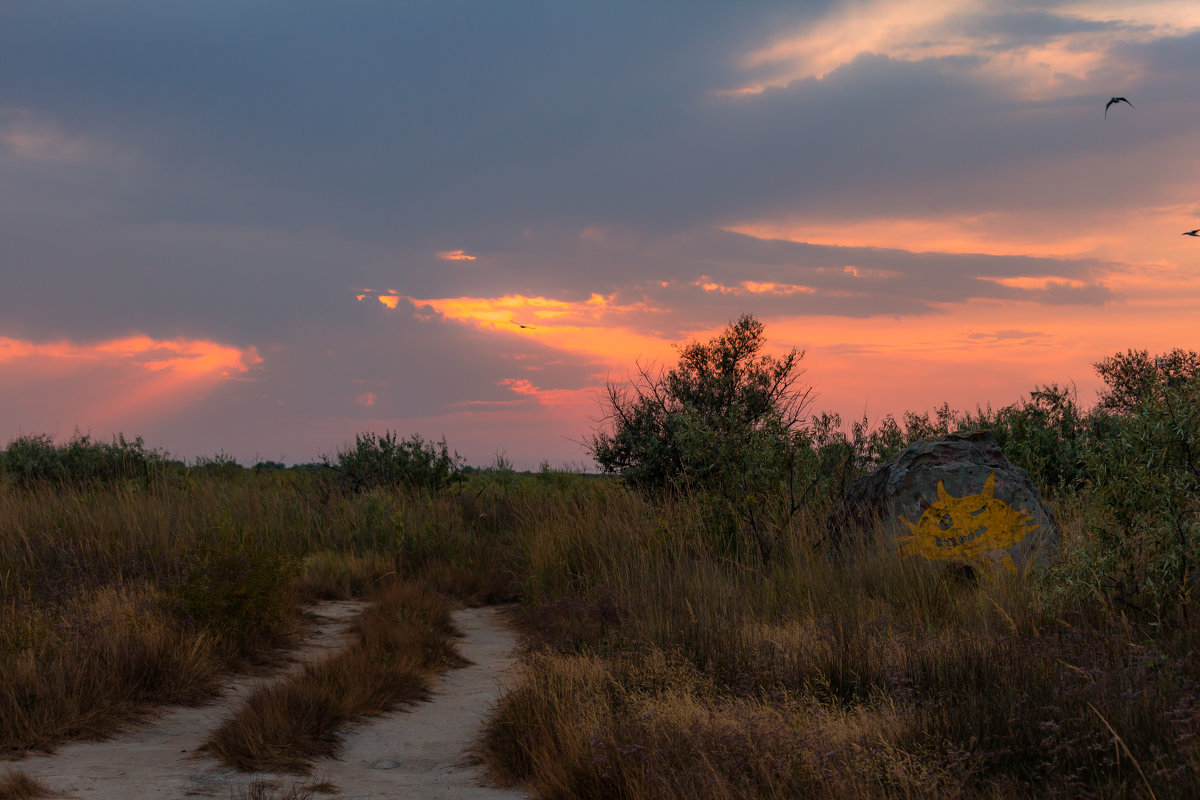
x: 522, y: 326
x: 1191, y: 233
x: 1115, y: 100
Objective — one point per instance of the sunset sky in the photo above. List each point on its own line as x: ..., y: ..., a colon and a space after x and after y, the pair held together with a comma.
x: 260, y: 227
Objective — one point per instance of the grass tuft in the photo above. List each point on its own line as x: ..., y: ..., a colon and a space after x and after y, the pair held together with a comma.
x: 270, y: 790
x: 16, y: 785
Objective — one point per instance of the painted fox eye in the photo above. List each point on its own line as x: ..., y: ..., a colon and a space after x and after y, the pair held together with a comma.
x: 980, y: 510
x: 946, y: 522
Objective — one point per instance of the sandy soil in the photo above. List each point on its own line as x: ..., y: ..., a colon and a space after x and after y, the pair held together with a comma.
x: 420, y: 752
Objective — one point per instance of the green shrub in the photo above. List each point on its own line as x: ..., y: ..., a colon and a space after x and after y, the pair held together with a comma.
x: 388, y: 461
x: 36, y: 458
x: 221, y: 465
x: 1145, y: 471
x: 1047, y: 434
x: 725, y: 421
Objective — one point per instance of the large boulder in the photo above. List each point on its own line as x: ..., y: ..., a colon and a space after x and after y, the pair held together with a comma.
x: 957, y: 499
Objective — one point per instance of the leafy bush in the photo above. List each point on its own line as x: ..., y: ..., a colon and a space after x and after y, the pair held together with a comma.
x: 1047, y: 434
x: 1133, y: 377
x: 1145, y: 470
x: 726, y: 421
x: 388, y: 461
x: 723, y: 400
x: 36, y: 458
x: 221, y: 465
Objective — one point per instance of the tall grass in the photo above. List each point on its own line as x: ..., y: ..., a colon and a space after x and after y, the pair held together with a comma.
x: 664, y: 662
x: 665, y: 668
x: 115, y: 597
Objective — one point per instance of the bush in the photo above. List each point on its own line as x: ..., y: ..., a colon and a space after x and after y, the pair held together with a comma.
x: 1047, y: 434
x: 36, y: 458
x: 222, y: 465
x: 726, y: 421
x: 1145, y: 470
x: 389, y: 462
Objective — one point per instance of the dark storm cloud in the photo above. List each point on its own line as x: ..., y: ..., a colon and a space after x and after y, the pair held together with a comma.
x: 237, y: 171
x: 421, y: 122
x: 364, y: 115
x: 1028, y: 26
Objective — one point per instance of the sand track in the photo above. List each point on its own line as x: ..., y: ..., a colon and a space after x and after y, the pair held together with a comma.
x: 419, y: 752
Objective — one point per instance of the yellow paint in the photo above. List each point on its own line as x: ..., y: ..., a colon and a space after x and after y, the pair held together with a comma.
x: 967, y: 529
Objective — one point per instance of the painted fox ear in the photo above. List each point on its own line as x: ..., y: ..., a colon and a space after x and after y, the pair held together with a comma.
x: 942, y: 493
x: 989, y: 488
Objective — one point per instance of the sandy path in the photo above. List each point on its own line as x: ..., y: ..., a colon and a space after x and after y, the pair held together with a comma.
x: 411, y: 754
x: 422, y: 753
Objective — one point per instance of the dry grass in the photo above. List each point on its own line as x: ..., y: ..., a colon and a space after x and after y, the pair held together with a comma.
x: 662, y: 668
x: 662, y: 663
x: 98, y: 662
x: 117, y: 598
x: 121, y: 598
x: 400, y: 643
x: 271, y: 790
x: 16, y: 785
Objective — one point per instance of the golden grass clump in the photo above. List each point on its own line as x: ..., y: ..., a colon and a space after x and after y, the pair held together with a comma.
x: 16, y: 785
x: 102, y: 659
x: 271, y: 790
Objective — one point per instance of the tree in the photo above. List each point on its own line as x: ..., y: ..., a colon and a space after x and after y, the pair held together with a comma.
x: 1146, y: 469
x: 1134, y: 378
x: 726, y: 420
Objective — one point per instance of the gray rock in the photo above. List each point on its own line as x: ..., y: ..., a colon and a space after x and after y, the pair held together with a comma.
x: 957, y: 499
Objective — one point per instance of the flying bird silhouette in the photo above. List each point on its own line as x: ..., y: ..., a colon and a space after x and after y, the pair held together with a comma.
x: 1191, y: 233
x: 1115, y: 100
x: 521, y: 326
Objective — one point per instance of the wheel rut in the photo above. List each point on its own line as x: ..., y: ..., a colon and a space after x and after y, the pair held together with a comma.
x: 421, y: 751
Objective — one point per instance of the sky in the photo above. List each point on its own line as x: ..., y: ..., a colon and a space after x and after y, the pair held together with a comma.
x: 259, y: 228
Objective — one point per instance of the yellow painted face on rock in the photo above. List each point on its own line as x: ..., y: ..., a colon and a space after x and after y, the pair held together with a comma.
x: 967, y: 529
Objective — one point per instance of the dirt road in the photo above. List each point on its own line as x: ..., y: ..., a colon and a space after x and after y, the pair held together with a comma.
x: 418, y: 753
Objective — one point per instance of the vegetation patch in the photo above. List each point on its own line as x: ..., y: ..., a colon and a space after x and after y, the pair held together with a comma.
x: 689, y: 632
x: 271, y: 790
x: 400, y: 643
x: 16, y: 785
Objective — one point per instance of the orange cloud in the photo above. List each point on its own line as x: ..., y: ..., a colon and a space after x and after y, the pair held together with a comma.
x: 913, y: 30
x: 103, y: 381
x: 979, y: 352
x: 1143, y: 251
x: 598, y: 326
x: 185, y: 356
x: 995, y: 234
x: 454, y: 255
x: 1039, y: 282
x: 389, y: 298
x: 30, y: 137
x: 551, y: 397
x: 752, y: 287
